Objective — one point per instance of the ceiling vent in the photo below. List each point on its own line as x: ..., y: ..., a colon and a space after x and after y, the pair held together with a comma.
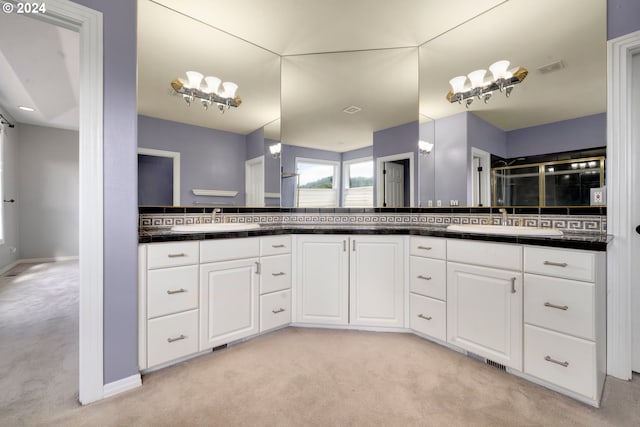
x: 549, y: 68
x: 352, y: 109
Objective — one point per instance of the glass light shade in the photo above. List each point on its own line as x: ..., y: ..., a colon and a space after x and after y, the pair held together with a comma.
x: 457, y: 84
x: 275, y: 149
x: 499, y: 69
x: 212, y: 84
x: 229, y: 89
x: 477, y: 78
x: 194, y: 79
x: 425, y: 146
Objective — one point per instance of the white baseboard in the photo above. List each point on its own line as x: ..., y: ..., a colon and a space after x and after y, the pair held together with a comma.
x: 122, y: 385
x: 52, y: 259
x: 9, y: 267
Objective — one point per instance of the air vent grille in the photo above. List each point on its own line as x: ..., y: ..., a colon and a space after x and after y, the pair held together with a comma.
x: 352, y: 109
x: 496, y: 365
x: 549, y: 68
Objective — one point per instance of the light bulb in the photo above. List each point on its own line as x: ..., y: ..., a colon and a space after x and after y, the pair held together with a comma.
x: 195, y: 79
x: 499, y: 70
x: 229, y: 89
x: 477, y: 78
x: 425, y: 146
x: 275, y: 149
x: 458, y: 83
x: 212, y: 84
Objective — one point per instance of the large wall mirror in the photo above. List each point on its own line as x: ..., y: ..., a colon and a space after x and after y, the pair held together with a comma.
x: 361, y: 114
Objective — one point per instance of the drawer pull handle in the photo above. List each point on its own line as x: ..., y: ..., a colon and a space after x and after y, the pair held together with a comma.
x: 278, y: 274
x: 280, y: 310
x: 513, y: 285
x: 258, y: 268
x: 556, y: 264
x: 181, y: 337
x: 277, y: 246
x: 426, y: 248
x: 422, y: 316
x: 181, y: 254
x: 559, y: 307
x: 557, y: 362
x: 177, y: 291
x: 424, y: 277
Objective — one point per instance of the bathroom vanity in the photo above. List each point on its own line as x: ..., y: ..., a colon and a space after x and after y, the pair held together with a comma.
x: 532, y: 306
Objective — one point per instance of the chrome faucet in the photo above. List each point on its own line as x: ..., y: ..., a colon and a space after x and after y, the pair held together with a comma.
x: 214, y: 212
x: 504, y: 220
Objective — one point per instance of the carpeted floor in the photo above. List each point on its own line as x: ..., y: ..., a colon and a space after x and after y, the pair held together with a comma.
x: 299, y: 377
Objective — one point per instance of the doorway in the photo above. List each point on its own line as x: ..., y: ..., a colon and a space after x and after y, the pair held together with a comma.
x: 254, y: 182
x: 480, y: 177
x: 158, y: 177
x: 395, y: 180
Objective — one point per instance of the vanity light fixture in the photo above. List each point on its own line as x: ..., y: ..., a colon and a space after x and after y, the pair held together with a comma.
x: 208, y: 90
x: 425, y: 147
x: 275, y: 150
x: 482, y: 83
x: 23, y: 108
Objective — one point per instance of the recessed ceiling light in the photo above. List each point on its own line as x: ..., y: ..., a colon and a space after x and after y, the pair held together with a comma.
x: 352, y: 109
x: 23, y: 108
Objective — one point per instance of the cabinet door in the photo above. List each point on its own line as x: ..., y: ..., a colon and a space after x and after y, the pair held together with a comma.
x: 322, y: 276
x: 228, y: 302
x: 484, y: 312
x: 376, y: 285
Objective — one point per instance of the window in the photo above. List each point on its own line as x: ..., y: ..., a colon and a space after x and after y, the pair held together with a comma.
x: 317, y: 183
x: 358, y: 183
x: 2, y: 133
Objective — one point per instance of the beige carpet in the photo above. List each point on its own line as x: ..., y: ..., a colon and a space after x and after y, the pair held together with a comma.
x: 312, y: 377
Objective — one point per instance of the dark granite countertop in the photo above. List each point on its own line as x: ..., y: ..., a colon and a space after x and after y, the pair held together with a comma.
x: 584, y: 241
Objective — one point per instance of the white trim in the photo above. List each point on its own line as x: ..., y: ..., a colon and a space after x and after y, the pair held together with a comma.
x: 271, y: 195
x: 47, y: 259
x: 621, y: 180
x: 219, y: 193
x: 120, y: 386
x: 380, y: 177
x: 485, y: 180
x: 9, y: 267
x: 250, y: 179
x: 175, y: 155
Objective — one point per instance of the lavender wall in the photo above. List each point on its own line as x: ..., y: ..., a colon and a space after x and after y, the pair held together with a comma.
x: 360, y: 153
x: 271, y: 174
x: 288, y: 161
x: 568, y: 135
x: 255, y: 144
x: 397, y: 140
x: 155, y: 180
x: 485, y: 136
x: 207, y: 158
x: 451, y: 157
x: 623, y: 17
x: 120, y: 188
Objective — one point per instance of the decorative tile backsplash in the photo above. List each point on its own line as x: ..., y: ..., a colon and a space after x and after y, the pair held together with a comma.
x: 574, y: 223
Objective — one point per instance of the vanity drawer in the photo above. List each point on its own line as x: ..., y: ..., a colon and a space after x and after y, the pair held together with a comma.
x: 229, y: 249
x: 275, y: 273
x: 428, y: 316
x: 486, y: 254
x: 562, y: 305
x: 275, y: 310
x: 171, y: 337
x: 428, y: 277
x: 431, y: 247
x: 160, y: 255
x: 172, y: 290
x: 577, y: 265
x: 563, y: 360
x: 275, y: 245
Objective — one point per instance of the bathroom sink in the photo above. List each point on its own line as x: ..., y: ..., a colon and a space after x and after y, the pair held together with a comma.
x: 504, y: 229
x: 213, y: 228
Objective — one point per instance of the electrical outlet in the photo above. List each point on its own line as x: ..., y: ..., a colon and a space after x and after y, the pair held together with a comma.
x: 598, y: 196
x: 430, y: 203
x: 439, y: 203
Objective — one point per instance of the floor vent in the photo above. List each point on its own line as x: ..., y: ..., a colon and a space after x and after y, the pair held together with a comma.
x: 220, y: 347
x: 496, y: 365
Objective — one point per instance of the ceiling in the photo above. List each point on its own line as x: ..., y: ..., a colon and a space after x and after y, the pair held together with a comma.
x: 40, y: 66
x: 299, y: 63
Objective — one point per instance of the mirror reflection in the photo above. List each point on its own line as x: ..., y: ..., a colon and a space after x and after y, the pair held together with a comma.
x: 374, y: 127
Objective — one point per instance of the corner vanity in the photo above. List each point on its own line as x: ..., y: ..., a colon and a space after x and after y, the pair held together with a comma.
x: 532, y: 306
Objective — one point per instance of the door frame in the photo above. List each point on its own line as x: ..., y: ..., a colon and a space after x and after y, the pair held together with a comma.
x: 484, y: 182
x: 380, y: 177
x: 622, y: 252
x: 175, y: 155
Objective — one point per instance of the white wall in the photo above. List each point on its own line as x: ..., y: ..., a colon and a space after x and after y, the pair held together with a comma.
x: 7, y: 257
x: 48, y: 195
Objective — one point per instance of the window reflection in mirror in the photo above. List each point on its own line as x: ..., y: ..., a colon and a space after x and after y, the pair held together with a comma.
x: 358, y: 184
x: 318, y: 183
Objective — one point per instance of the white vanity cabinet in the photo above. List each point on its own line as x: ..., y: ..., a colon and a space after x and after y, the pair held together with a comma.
x: 275, y: 282
x: 484, y: 300
x: 168, y: 302
x: 428, y: 286
x: 322, y: 279
x: 229, y: 290
x: 564, y: 314
x: 376, y: 281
